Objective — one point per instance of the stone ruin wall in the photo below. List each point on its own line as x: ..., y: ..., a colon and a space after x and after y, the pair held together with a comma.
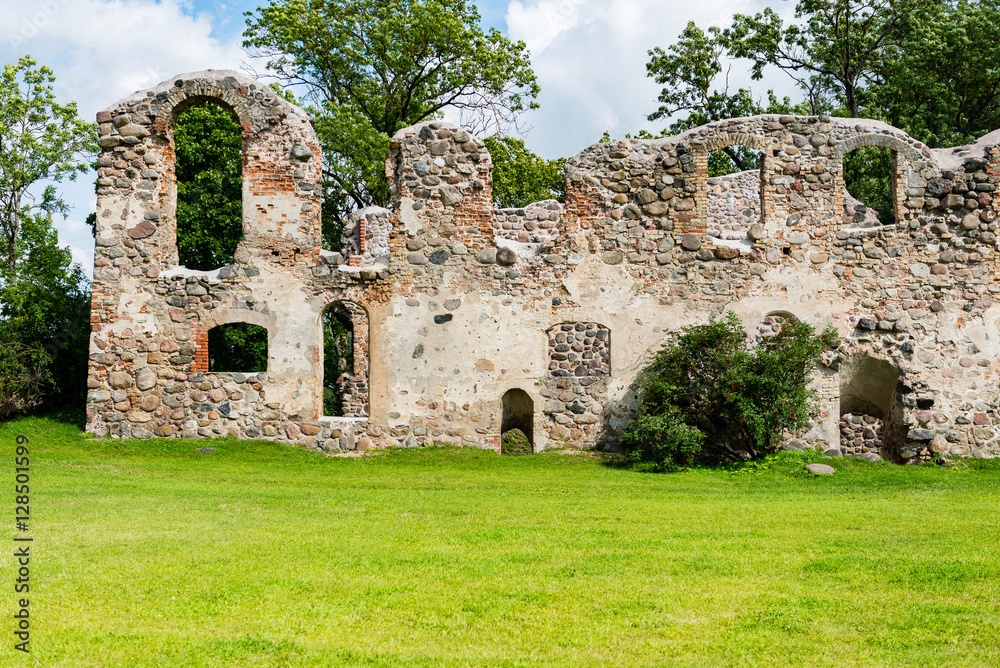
x: 461, y: 308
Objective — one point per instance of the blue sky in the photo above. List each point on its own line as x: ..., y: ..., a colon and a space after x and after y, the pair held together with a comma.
x: 589, y: 57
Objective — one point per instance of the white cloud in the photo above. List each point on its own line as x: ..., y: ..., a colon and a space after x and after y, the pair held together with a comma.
x: 541, y: 21
x: 590, y: 58
x: 103, y: 50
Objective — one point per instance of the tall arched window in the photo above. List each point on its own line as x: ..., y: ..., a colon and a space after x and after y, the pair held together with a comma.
x: 345, y: 360
x: 208, y: 145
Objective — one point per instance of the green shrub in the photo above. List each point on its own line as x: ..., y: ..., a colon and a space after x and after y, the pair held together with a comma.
x: 711, y: 395
x: 515, y: 442
x: 24, y: 377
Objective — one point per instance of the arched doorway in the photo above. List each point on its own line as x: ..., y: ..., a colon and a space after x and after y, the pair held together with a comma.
x: 519, y: 414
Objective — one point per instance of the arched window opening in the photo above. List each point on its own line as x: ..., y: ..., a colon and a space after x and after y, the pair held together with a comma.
x: 237, y: 347
x: 517, y: 423
x: 871, y: 408
x: 735, y: 191
x: 345, y: 360
x: 870, y: 182
x: 208, y: 145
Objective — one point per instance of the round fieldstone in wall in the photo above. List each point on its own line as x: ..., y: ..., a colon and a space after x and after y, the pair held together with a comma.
x: 612, y: 257
x: 506, y: 257
x: 690, y: 241
x: 439, y: 257
x: 145, y: 378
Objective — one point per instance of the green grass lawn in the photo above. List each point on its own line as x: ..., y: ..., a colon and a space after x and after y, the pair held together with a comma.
x: 154, y: 554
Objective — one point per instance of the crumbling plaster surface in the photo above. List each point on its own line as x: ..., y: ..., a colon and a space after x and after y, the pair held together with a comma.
x: 462, y: 301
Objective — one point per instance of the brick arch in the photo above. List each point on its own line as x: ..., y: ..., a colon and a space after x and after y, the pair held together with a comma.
x: 874, y: 139
x: 180, y: 100
x: 725, y: 139
x: 230, y: 315
x: 784, y: 313
x: 903, y: 155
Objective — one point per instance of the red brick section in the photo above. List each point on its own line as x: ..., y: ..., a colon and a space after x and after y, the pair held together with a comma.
x: 200, y: 364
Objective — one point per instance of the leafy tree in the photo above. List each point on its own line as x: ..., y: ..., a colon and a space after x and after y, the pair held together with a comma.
x: 709, y: 395
x: 520, y: 177
x: 371, y: 67
x: 41, y: 142
x: 944, y: 87
x: 689, y: 70
x: 44, y: 324
x: 44, y: 297
x: 836, y: 48
x: 208, y: 143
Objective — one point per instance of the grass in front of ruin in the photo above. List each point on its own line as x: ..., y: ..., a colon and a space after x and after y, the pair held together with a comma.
x: 258, y: 554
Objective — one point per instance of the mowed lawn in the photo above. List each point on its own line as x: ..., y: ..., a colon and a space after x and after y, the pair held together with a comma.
x: 259, y: 554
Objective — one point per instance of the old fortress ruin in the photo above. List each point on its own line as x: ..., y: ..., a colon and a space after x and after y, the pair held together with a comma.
x: 468, y: 320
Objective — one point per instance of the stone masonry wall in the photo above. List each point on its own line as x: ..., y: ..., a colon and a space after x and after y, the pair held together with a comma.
x: 460, y: 310
x: 535, y: 223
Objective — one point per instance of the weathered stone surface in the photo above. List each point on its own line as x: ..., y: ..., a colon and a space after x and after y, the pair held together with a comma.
x: 691, y: 242
x: 142, y: 230
x: 145, y: 379
x: 820, y: 469
x: 612, y: 257
x: 506, y: 257
x: 453, y: 303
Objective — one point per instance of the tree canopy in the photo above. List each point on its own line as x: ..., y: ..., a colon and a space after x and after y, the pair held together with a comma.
x: 521, y: 177
x: 925, y: 66
x: 44, y: 297
x: 41, y: 142
x: 371, y: 67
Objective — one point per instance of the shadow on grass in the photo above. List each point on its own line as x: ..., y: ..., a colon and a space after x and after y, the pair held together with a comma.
x: 73, y: 416
x: 614, y: 460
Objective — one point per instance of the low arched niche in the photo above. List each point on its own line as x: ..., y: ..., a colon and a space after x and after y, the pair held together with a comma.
x: 872, y: 387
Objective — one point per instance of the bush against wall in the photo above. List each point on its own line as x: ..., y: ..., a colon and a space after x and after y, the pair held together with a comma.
x: 712, y: 394
x: 515, y: 442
